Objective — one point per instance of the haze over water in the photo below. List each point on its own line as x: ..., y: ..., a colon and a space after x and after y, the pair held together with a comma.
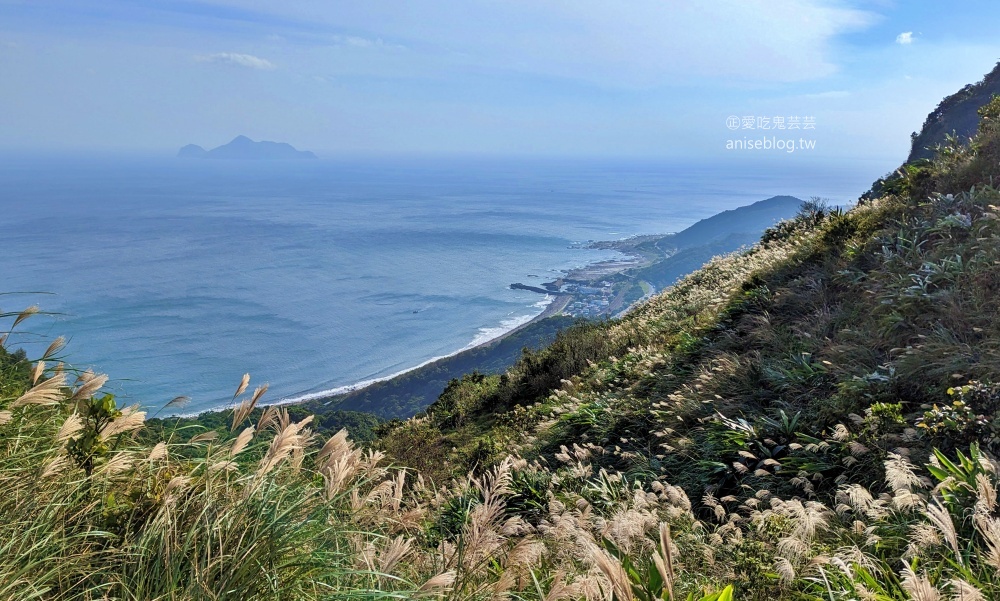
x: 176, y: 277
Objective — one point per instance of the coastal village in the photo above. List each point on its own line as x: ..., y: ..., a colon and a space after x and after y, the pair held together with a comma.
x: 590, y: 301
x: 605, y: 288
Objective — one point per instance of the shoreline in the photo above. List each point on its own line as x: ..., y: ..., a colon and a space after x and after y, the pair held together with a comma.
x: 552, y: 308
x: 555, y: 303
x: 608, y: 288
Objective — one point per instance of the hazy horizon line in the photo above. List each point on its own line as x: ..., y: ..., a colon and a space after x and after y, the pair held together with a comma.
x: 322, y: 155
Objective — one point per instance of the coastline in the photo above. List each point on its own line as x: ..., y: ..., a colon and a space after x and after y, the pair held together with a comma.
x: 601, y: 289
x: 563, y: 296
x: 555, y: 304
x: 552, y: 308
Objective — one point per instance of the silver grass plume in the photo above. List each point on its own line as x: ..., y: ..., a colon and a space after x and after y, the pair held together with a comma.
x: 48, y: 392
x: 243, y: 386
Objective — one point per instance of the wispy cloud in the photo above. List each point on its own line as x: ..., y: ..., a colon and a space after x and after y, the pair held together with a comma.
x: 362, y: 42
x: 651, y: 44
x: 905, y: 38
x: 235, y: 58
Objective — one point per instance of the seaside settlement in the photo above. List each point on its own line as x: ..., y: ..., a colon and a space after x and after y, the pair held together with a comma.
x: 605, y: 288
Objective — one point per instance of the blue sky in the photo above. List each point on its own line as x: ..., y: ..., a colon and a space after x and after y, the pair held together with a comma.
x: 652, y: 78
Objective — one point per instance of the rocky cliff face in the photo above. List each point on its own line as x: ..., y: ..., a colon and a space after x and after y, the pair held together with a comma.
x: 956, y: 114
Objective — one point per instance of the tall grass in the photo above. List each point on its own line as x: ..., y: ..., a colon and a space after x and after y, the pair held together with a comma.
x: 89, y: 513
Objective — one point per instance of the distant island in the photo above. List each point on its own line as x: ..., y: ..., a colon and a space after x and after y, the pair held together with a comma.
x: 244, y: 148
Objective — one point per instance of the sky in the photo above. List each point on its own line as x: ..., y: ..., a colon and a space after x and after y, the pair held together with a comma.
x: 613, y: 78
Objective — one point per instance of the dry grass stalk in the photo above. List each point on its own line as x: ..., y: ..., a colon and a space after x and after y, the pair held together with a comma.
x: 436, y: 585
x: 665, y: 560
x: 243, y: 410
x: 223, y: 466
x: 989, y: 528
x: 259, y: 392
x: 204, y: 437
x: 267, y: 417
x: 242, y: 441
x: 336, y: 473
x: 118, y: 463
x: 243, y: 386
x: 49, y: 392
x: 398, y: 486
x: 394, y: 552
x: 90, y: 383
x: 900, y: 474
x: 986, y: 501
x: 919, y: 587
x: 964, y: 591
x: 25, y: 314
x: 56, y: 466
x: 54, y: 347
x: 70, y: 427
x: 941, y: 520
x: 282, y: 445
x: 240, y: 413
x: 158, y: 452
x: 175, y: 488
x: 785, y: 570
x: 130, y: 419
x: 617, y: 579
x: 336, y: 447
x: 37, y: 372
x: 178, y: 401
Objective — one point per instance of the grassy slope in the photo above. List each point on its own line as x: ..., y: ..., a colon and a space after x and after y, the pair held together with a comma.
x: 805, y: 371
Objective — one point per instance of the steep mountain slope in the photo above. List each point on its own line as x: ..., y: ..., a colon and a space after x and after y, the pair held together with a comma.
x: 791, y: 391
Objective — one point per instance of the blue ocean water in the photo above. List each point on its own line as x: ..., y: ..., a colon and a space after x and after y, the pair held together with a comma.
x: 175, y: 277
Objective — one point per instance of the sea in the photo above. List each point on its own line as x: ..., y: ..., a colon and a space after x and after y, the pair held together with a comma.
x: 175, y: 277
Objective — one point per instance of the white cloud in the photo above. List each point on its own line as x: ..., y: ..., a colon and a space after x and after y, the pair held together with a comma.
x: 638, y: 44
x: 905, y: 38
x: 235, y: 58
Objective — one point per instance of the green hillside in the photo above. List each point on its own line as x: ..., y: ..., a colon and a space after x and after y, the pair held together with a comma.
x: 812, y: 418
x: 752, y: 218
